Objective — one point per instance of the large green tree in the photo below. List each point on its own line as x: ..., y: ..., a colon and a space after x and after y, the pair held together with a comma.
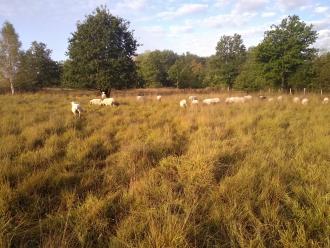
x: 154, y: 67
x: 9, y: 53
x: 321, y: 67
x: 36, y: 67
x: 230, y: 55
x: 188, y: 71
x: 251, y: 76
x: 285, y: 48
x: 101, y: 53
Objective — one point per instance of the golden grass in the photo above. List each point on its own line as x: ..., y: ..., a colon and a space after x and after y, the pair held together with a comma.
x: 150, y: 174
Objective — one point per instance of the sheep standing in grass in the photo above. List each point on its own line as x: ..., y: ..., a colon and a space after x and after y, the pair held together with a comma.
x: 191, y: 98
x: 108, y: 101
x: 279, y: 98
x: 248, y: 97
x: 194, y: 102
x: 211, y: 101
x: 296, y: 99
x: 159, y: 98
x: 235, y: 99
x: 76, y: 108
x: 95, y: 102
x: 304, y: 101
x: 183, y: 103
x: 325, y: 100
x: 103, y: 95
x: 262, y: 97
x: 139, y: 98
x: 270, y: 99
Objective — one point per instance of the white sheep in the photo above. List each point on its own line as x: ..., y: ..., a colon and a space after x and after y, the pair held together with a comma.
x: 248, y: 97
x: 262, y: 97
x: 235, y: 99
x: 96, y: 101
x: 76, y: 108
x: 103, y: 95
x: 108, y: 101
x: 270, y: 99
x: 211, y: 101
x: 191, y: 98
x: 304, y: 101
x: 183, y: 103
x: 194, y: 102
x: 159, y: 98
x: 279, y: 98
x: 325, y: 100
x: 139, y: 98
x: 296, y: 99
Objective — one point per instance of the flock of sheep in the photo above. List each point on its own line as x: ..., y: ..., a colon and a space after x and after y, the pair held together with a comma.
x: 243, y: 99
x: 77, y: 109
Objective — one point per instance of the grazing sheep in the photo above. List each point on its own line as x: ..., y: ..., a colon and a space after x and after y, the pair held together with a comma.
x: 108, y: 101
x: 262, y: 97
x: 183, y: 103
x: 103, y: 95
x: 76, y: 108
x: 96, y: 101
x: 279, y: 98
x: 191, y: 98
x: 270, y: 99
x: 304, y: 101
x: 159, y: 98
x: 211, y: 101
x: 194, y: 102
x: 296, y: 99
x: 139, y: 98
x: 325, y: 100
x: 248, y: 97
x: 235, y: 99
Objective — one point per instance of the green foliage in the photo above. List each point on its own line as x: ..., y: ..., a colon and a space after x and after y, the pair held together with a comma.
x: 154, y: 67
x: 154, y: 175
x: 36, y: 68
x: 9, y: 53
x: 321, y: 67
x: 286, y: 47
x: 230, y: 55
x: 100, y: 53
x: 251, y: 76
x: 188, y: 71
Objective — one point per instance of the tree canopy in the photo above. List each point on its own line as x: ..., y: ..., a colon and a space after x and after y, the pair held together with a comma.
x: 230, y: 55
x: 9, y: 53
x: 286, y: 47
x: 101, y: 53
x: 36, y: 68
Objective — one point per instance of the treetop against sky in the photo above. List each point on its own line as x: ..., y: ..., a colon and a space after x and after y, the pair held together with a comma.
x: 181, y: 26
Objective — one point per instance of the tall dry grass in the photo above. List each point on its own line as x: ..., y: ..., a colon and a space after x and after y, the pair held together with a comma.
x: 153, y: 175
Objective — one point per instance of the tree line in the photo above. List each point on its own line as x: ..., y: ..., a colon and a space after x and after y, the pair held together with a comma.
x: 102, y: 55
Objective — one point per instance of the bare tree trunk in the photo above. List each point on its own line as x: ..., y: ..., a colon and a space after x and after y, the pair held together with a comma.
x: 12, y: 87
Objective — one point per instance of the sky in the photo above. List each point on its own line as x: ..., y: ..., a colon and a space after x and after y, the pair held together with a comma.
x: 181, y: 26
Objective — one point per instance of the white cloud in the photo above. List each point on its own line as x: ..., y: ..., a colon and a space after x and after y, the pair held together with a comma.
x: 221, y: 3
x: 244, y: 6
x: 174, y: 30
x: 323, y: 42
x: 268, y: 14
x: 321, y: 9
x: 185, y: 9
x: 291, y: 4
x: 320, y: 24
x: 132, y: 4
x: 227, y: 20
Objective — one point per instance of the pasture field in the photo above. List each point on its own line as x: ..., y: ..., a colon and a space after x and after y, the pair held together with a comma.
x: 150, y: 174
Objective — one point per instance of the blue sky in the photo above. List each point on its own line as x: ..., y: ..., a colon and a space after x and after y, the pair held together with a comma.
x: 182, y: 26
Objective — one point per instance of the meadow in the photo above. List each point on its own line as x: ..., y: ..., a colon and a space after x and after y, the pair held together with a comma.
x: 151, y: 174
